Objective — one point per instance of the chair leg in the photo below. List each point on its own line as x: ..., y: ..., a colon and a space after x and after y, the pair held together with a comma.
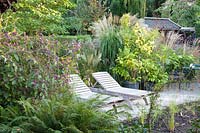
x: 95, y: 84
x: 128, y: 102
x: 115, y: 108
x: 145, y: 100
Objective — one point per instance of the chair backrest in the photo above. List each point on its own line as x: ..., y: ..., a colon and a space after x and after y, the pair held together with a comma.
x: 77, y: 84
x: 105, y: 80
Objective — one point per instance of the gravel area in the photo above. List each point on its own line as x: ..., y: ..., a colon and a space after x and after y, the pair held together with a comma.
x: 171, y: 93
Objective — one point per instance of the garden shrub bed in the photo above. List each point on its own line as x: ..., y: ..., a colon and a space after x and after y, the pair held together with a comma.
x: 186, y: 120
x: 63, y: 38
x: 183, y: 121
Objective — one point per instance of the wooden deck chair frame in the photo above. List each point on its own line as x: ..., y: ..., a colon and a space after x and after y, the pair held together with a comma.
x: 110, y: 86
x: 84, y: 92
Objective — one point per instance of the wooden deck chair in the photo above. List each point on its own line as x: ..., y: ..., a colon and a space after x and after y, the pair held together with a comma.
x: 84, y: 92
x: 111, y: 87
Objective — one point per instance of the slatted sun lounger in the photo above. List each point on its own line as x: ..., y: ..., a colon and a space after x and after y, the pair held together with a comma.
x: 111, y: 87
x: 84, y: 92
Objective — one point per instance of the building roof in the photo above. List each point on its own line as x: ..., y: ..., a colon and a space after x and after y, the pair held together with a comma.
x: 161, y: 23
x: 189, y: 29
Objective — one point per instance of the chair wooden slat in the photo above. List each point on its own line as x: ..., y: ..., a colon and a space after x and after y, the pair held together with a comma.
x: 77, y: 83
x: 113, y: 88
x: 84, y: 92
x: 105, y: 80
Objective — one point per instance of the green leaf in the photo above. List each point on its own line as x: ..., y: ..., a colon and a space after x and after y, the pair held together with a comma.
x: 16, y: 57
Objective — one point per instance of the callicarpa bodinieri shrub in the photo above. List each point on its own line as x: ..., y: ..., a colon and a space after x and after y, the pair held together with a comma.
x: 33, y: 66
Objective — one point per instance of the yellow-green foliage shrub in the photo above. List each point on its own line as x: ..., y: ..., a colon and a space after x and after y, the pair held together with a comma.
x: 138, y: 60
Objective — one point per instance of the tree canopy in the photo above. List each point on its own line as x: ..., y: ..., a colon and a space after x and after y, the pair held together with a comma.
x: 182, y: 12
x: 33, y: 16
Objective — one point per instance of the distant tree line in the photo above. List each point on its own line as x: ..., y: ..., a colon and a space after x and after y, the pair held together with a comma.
x: 117, y: 7
x: 140, y: 7
x: 77, y: 17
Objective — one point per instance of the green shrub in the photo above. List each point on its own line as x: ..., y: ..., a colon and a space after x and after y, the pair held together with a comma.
x: 175, y: 61
x: 120, y: 7
x: 110, y: 42
x: 138, y: 61
x: 32, y: 16
x: 88, y: 62
x: 82, y: 38
x: 60, y: 113
x: 182, y: 13
x: 196, y: 123
x: 81, y: 17
x: 32, y: 66
x: 173, y: 109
